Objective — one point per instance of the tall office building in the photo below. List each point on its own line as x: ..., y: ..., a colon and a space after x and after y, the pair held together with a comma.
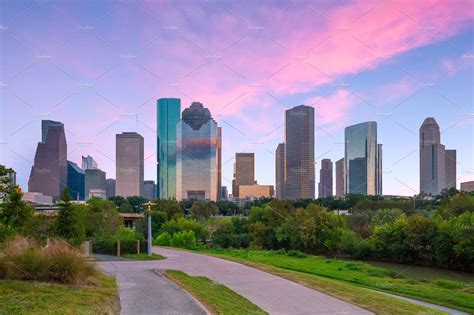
x: 325, y: 179
x: 95, y: 184
x: 129, y: 164
x: 450, y: 168
x: 244, y: 171
x: 76, y: 181
x: 88, y: 163
x: 362, y: 173
x: 149, y: 190
x: 379, y: 169
x: 219, y: 163
x: 299, y: 153
x: 168, y: 115
x: 197, y: 168
x: 109, y: 188
x: 437, y: 165
x: 280, y: 171
x: 49, y: 172
x: 340, y: 178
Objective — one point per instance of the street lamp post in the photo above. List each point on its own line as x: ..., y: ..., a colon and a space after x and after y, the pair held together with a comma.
x: 148, y: 213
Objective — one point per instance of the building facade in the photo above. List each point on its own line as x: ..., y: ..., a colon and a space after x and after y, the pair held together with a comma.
x: 197, y: 168
x: 76, y: 181
x: 168, y: 115
x: 467, y: 186
x: 149, y: 190
x: 280, y: 171
x: 450, y: 168
x: 49, y: 172
x: 362, y: 166
x: 129, y: 164
x: 299, y: 153
x: 340, y: 178
x: 94, y: 182
x: 88, y: 163
x: 244, y: 171
x: 256, y: 191
x: 325, y: 179
x: 109, y: 188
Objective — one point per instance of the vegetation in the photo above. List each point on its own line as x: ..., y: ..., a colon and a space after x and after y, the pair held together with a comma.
x: 24, y: 259
x: 451, y: 294
x: 28, y: 297
x: 217, y: 298
x: 67, y: 222
x: 143, y: 256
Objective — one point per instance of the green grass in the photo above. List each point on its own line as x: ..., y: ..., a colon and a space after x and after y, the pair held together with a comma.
x: 217, y: 298
x: 143, y: 256
x: 28, y: 297
x: 451, y: 294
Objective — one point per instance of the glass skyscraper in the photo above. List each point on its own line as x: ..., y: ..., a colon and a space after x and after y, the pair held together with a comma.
x: 168, y: 115
x: 363, y: 160
x: 197, y: 150
x: 76, y: 181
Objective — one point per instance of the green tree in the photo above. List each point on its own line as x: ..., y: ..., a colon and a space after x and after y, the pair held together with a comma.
x: 203, y: 209
x: 68, y: 225
x: 170, y: 207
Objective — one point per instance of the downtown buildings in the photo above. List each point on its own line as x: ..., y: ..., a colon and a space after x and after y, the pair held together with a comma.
x: 340, y: 178
x: 362, y: 160
x: 244, y: 185
x: 298, y: 180
x: 325, y: 179
x: 129, y: 159
x: 437, y: 165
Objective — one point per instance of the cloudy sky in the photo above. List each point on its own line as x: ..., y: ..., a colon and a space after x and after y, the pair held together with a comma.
x: 100, y: 66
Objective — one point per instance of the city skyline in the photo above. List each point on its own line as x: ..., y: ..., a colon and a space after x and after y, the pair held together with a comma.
x: 104, y: 88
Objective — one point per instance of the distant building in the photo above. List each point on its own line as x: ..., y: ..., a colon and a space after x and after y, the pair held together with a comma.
x: 88, y: 163
x: 37, y: 198
x: 76, y: 181
x: 149, y: 190
x: 197, y: 150
x: 97, y: 193
x: 244, y: 171
x: 49, y: 171
x: 94, y: 182
x: 379, y: 169
x: 467, y: 186
x: 361, y: 162
x: 299, y: 153
x: 109, y: 188
x: 219, y: 162
x: 129, y: 164
x: 437, y: 165
x: 168, y: 115
x: 224, y: 193
x: 280, y: 171
x: 340, y: 178
x: 325, y: 179
x: 256, y: 191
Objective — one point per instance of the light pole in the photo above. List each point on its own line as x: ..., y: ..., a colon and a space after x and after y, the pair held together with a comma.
x: 148, y: 212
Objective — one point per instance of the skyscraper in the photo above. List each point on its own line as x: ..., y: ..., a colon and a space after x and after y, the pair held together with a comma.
x: 88, y: 163
x: 437, y: 165
x: 379, y: 168
x: 197, y: 168
x: 340, y: 178
x: 280, y: 171
x: 168, y: 115
x: 299, y: 153
x: 325, y: 179
x: 129, y: 164
x: 244, y: 171
x: 76, y: 181
x: 49, y: 172
x: 149, y: 190
x: 450, y: 168
x: 95, y: 184
x: 109, y: 188
x: 219, y: 163
x: 361, y: 162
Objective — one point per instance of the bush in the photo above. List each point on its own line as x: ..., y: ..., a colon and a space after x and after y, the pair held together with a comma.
x: 297, y: 254
x: 164, y: 239
x: 183, y: 239
x: 24, y: 259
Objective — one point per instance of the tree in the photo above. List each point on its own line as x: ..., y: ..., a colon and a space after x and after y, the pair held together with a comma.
x: 203, y: 209
x: 170, y: 207
x: 67, y: 221
x: 100, y: 218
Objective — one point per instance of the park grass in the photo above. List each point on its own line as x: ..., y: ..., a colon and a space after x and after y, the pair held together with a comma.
x: 217, y: 298
x: 29, y: 297
x: 327, y: 275
x: 143, y: 256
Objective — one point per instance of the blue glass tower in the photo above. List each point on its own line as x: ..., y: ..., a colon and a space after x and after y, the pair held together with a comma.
x: 75, y: 181
x: 168, y: 114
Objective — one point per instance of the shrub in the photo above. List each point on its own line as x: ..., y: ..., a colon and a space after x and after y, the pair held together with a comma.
x: 448, y: 284
x: 297, y: 254
x: 183, y: 239
x: 24, y: 259
x: 164, y: 239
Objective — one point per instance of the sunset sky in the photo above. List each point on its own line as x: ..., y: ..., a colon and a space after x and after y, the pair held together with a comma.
x: 100, y: 66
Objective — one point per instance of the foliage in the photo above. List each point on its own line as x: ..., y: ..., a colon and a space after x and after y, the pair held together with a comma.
x: 184, y: 239
x: 129, y: 204
x: 182, y: 224
x: 164, y: 239
x: 170, y: 207
x: 100, y: 218
x: 68, y: 225
x: 203, y: 209
x: 24, y: 259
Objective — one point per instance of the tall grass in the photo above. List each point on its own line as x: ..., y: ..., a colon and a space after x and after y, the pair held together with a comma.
x: 25, y: 259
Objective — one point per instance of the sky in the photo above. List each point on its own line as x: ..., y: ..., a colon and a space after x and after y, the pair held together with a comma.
x: 99, y: 68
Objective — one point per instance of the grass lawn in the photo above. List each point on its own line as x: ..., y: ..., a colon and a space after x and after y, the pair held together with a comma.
x: 143, y: 256
x: 27, y: 297
x: 317, y: 272
x: 217, y: 298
